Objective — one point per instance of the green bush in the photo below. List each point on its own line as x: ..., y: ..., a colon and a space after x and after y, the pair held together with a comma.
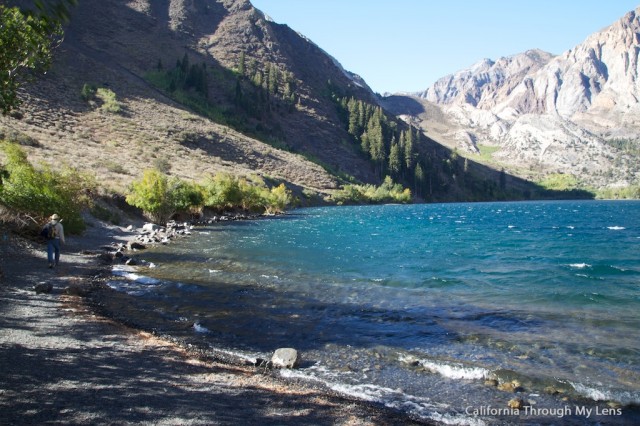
x: 225, y: 192
x: 222, y: 192
x: 631, y: 192
x: 109, y: 102
x: 560, y: 182
x: 88, y: 92
x: 38, y: 193
x: 279, y: 199
x: 387, y: 192
x: 160, y: 197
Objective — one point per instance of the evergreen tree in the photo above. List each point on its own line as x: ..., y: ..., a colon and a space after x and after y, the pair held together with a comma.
x: 365, y: 146
x: 408, y: 149
x: 395, y: 164
x: 184, y: 64
x: 242, y: 65
x: 363, y: 114
x: 257, y: 79
x: 376, y: 144
x: 272, y: 79
x: 252, y: 69
x: 288, y: 86
x: 418, y: 181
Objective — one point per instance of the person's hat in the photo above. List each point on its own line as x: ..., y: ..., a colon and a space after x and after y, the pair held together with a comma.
x: 55, y: 217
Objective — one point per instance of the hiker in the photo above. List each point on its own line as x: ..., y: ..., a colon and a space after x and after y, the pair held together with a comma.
x: 54, y: 233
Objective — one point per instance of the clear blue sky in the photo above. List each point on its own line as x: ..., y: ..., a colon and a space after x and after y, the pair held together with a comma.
x: 406, y: 45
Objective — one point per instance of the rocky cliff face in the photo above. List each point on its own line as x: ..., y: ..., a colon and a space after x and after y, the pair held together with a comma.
x: 551, y: 113
x: 487, y: 82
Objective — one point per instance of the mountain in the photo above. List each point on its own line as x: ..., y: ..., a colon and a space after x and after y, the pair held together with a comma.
x: 195, y: 87
x: 577, y: 113
x: 116, y: 44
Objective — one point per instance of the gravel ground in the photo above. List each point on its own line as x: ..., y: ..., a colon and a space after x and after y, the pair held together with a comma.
x: 61, y: 363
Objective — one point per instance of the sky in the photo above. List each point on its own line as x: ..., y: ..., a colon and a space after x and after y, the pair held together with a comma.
x: 406, y: 45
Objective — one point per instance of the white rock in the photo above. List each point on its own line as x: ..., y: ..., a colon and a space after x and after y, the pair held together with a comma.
x: 285, y: 358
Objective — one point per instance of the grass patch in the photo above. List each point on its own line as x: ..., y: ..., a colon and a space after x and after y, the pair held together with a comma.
x: 560, y: 182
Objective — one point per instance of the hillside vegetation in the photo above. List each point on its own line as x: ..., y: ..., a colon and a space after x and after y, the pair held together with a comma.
x: 197, y: 91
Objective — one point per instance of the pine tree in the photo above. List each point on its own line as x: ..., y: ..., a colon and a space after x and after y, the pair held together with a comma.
x: 184, y: 65
x: 395, y: 164
x: 273, y: 79
x: 257, y: 79
x: 364, y: 143
x: 354, y: 118
x: 408, y: 149
x: 418, y: 181
x: 376, y: 144
x: 242, y: 65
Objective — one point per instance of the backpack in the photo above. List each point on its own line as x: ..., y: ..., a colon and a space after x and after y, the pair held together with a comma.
x: 48, y: 231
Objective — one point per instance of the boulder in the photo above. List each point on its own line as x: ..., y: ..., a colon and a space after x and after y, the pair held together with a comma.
x: 133, y: 245
x: 150, y: 227
x: 285, y: 358
x: 516, y: 403
x: 105, y: 258
x: 43, y: 288
x: 512, y: 386
x: 77, y: 290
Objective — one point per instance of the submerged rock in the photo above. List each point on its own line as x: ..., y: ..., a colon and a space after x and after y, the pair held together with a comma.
x: 513, y: 386
x: 285, y: 358
x: 516, y: 403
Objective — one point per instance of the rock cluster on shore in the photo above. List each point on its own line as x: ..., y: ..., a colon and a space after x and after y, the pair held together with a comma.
x: 152, y: 234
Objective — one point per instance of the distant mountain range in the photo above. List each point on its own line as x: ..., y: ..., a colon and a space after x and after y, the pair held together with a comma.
x: 208, y: 86
x: 536, y: 114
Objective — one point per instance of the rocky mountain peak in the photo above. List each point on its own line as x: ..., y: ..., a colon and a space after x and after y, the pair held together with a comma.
x: 564, y: 113
x: 479, y: 85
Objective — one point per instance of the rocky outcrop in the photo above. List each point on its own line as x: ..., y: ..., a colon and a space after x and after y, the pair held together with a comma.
x: 551, y: 113
x: 487, y: 82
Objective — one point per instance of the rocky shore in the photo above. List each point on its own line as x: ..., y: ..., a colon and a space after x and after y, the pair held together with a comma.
x: 64, y: 363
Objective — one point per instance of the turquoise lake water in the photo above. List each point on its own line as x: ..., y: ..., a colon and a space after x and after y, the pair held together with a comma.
x: 416, y: 306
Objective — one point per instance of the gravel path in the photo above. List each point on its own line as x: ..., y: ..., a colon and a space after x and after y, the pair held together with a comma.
x: 60, y: 363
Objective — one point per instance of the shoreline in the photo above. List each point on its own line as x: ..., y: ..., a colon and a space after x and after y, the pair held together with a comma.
x: 65, y: 362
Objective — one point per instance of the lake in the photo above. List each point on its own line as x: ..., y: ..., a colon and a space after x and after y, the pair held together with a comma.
x: 418, y: 306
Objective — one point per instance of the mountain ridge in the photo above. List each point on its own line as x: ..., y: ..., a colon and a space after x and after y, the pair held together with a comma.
x: 544, y: 113
x: 272, y: 103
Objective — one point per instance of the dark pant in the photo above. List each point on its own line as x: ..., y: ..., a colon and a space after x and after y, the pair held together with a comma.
x: 53, y: 250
